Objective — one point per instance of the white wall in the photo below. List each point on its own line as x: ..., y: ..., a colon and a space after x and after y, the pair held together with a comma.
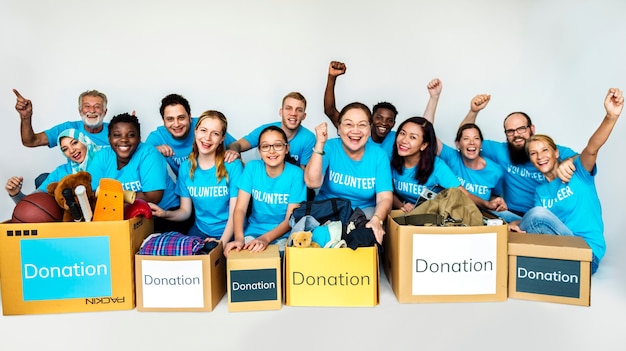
x: 552, y: 59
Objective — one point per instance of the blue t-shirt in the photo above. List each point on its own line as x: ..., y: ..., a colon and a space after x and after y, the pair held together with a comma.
x: 481, y: 182
x: 101, y: 138
x: 387, y: 143
x: 407, y: 188
x: 357, y: 181
x: 56, y: 175
x: 270, y: 197
x: 146, y: 171
x: 181, y: 147
x: 300, y: 146
x: 577, y: 205
x: 520, y: 181
x: 211, y: 199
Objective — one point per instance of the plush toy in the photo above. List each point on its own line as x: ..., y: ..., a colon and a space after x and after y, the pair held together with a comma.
x: 68, y: 201
x: 303, y: 240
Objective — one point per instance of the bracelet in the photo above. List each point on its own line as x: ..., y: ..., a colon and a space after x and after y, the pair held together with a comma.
x: 321, y: 153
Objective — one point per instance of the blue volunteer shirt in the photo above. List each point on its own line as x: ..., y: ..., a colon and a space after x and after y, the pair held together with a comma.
x: 146, y: 171
x: 481, y: 182
x: 520, y: 181
x: 300, y: 146
x: 181, y: 147
x: 407, y: 188
x: 211, y: 199
x: 101, y: 138
x: 577, y: 205
x: 270, y: 197
x: 357, y: 181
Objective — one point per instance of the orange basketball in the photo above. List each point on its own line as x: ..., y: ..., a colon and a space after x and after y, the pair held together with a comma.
x: 36, y: 208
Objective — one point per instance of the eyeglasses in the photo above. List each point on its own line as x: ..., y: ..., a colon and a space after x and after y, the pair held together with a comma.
x: 277, y: 147
x: 351, y: 125
x: 519, y: 130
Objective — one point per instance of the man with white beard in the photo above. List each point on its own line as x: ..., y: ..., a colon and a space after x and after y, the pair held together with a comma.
x: 92, y: 107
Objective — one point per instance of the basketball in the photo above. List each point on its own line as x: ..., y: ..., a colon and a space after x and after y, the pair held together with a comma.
x: 36, y: 208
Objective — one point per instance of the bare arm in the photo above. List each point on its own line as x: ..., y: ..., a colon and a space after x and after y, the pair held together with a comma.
x: 235, y: 149
x: 478, y: 103
x: 384, y: 202
x: 228, y: 230
x: 434, y: 90
x: 178, y: 215
x: 335, y: 69
x: 313, y: 172
x: 613, y: 104
x: 24, y: 108
x: 239, y: 219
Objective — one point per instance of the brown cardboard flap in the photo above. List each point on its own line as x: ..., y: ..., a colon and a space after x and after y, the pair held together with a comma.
x: 549, y: 246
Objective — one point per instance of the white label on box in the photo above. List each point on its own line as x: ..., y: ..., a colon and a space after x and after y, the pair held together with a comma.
x: 172, y: 284
x: 454, y: 264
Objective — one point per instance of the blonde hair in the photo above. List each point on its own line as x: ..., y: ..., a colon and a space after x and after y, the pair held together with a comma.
x: 542, y: 138
x: 219, y: 151
x: 295, y: 95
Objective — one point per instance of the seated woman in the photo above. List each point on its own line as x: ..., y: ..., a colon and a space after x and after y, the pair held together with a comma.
x: 480, y: 176
x: 415, y: 165
x: 139, y: 167
x: 74, y: 145
x: 206, y: 183
x: 352, y: 167
x: 571, y: 208
x: 271, y: 188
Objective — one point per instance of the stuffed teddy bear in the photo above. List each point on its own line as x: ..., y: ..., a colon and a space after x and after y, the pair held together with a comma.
x: 303, y: 239
x: 71, y: 181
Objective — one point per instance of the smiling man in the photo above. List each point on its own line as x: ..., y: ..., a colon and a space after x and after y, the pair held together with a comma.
x: 174, y: 139
x: 300, y: 139
x: 521, y: 178
x: 92, y: 107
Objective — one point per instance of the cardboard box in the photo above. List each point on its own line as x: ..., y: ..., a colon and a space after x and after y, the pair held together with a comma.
x: 446, y: 264
x: 254, y: 280
x: 69, y: 267
x: 331, y: 277
x: 180, y: 283
x: 550, y: 268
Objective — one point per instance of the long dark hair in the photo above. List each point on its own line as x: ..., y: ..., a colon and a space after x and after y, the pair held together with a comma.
x: 426, y: 164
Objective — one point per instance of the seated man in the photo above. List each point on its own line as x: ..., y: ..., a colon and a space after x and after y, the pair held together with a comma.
x: 174, y: 139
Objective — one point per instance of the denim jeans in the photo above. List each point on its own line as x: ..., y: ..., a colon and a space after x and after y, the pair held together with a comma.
x: 507, y: 216
x: 539, y: 220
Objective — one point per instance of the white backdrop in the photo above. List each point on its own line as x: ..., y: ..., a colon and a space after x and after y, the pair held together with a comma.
x: 552, y: 59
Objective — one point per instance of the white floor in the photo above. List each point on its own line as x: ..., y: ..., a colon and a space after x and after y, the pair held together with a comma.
x: 510, y: 325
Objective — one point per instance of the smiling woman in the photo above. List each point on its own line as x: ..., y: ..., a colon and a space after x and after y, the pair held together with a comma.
x: 352, y: 167
x: 139, y: 167
x: 571, y: 208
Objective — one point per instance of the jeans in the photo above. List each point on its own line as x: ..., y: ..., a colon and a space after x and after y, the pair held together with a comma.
x: 540, y: 220
x: 507, y: 216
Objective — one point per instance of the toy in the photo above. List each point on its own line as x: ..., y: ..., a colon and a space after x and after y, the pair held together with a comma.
x: 303, y: 239
x: 69, y: 203
x: 137, y: 208
x: 37, y: 207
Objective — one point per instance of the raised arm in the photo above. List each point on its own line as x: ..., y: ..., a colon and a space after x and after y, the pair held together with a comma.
x: 313, y: 172
x: 478, y: 103
x: 335, y: 69
x: 613, y: 104
x: 434, y: 90
x: 24, y: 107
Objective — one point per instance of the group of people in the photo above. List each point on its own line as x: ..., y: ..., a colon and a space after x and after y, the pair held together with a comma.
x: 533, y: 184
